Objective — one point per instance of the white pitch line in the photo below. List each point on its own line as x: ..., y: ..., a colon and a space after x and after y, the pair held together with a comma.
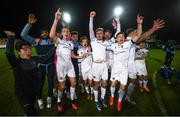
x: 158, y: 97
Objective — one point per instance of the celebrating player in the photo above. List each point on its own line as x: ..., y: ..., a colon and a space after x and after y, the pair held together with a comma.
x: 120, y: 63
x: 86, y: 66
x: 64, y: 64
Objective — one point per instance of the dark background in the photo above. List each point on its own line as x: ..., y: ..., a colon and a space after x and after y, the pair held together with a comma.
x: 14, y: 13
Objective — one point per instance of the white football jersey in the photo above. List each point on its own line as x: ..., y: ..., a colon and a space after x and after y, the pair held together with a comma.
x: 109, y: 53
x: 141, y: 52
x: 121, y: 53
x: 132, y: 51
x: 85, y: 63
x: 99, y: 49
x: 64, y: 49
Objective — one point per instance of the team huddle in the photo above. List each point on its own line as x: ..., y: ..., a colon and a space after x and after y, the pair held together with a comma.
x: 103, y: 59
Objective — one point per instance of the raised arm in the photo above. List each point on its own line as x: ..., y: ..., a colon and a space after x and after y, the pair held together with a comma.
x: 158, y: 24
x: 91, y: 18
x: 45, y: 57
x: 52, y: 33
x: 25, y: 31
x: 10, y: 48
x: 136, y: 36
x: 116, y: 24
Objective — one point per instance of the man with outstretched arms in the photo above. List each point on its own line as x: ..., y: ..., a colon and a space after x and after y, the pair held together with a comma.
x: 120, y: 63
x: 131, y: 63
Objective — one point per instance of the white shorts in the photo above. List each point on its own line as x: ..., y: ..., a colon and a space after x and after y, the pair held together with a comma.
x: 141, y: 68
x: 64, y: 68
x: 87, y: 74
x: 132, y: 71
x: 121, y: 75
x: 100, y: 71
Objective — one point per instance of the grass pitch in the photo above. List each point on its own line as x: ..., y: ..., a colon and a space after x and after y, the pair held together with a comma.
x: 146, y: 102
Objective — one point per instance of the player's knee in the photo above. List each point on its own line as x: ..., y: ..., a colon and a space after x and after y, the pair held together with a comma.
x: 73, y: 84
x: 85, y: 82
x: 145, y: 77
x: 61, y: 87
x: 104, y: 84
x: 140, y: 77
x: 122, y: 87
x: 133, y: 81
x: 96, y: 85
x: 113, y: 83
x: 90, y: 82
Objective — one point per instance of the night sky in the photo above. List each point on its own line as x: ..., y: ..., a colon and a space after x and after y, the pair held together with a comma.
x: 14, y: 14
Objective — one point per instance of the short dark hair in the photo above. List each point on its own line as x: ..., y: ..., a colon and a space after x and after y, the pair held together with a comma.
x: 43, y: 29
x: 120, y: 33
x: 84, y: 37
x: 67, y: 27
x: 74, y: 33
x: 20, y: 43
x: 107, y: 30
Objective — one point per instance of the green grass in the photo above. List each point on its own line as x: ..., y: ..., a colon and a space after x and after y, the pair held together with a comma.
x: 146, y: 103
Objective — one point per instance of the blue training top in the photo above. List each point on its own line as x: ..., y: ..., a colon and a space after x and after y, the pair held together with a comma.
x: 42, y: 47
